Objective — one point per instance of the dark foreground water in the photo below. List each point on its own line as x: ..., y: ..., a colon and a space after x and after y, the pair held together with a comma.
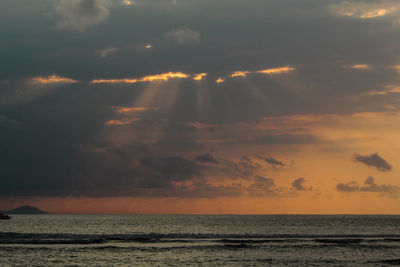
x: 176, y: 240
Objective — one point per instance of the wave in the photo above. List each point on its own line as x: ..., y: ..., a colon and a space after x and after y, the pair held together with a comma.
x: 224, y: 239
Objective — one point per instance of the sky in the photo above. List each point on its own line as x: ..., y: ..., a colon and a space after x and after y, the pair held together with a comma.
x: 200, y: 106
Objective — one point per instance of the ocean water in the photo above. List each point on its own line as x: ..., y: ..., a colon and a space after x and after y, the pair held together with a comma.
x: 200, y: 240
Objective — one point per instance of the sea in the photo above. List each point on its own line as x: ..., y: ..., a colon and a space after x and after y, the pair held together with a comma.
x: 200, y: 240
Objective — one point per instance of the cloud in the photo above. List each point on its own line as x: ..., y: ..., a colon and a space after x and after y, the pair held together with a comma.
x: 127, y: 2
x: 78, y: 15
x: 365, y: 10
x: 270, y: 72
x: 134, y: 109
x: 121, y: 122
x: 107, y: 51
x: 264, y: 78
x: 181, y: 75
x: 172, y: 168
x: 371, y: 187
x: 245, y: 158
x: 183, y: 36
x: 51, y: 79
x: 241, y: 169
x: 262, y: 186
x: 359, y: 66
x: 206, y: 158
x: 389, y: 90
x: 6, y: 122
x: 240, y: 74
x: 373, y: 160
x: 348, y: 187
x: 274, y: 161
x: 151, y: 78
x: 298, y: 185
x: 199, y: 77
x: 279, y: 70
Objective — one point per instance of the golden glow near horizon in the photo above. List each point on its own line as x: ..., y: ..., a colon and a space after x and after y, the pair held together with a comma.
x: 220, y: 80
x: 148, y: 46
x: 199, y: 77
x: 52, y: 79
x: 121, y: 122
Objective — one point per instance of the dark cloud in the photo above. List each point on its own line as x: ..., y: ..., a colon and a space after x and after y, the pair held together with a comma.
x: 241, y: 169
x: 371, y: 187
x: 274, y: 161
x: 206, y: 158
x: 81, y: 14
x: 6, y: 122
x: 298, y: 185
x: 373, y: 160
x: 183, y: 36
x: 262, y: 186
x: 348, y: 187
x: 246, y: 158
x: 174, y: 168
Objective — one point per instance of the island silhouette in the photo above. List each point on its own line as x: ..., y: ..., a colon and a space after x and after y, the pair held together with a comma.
x: 26, y: 210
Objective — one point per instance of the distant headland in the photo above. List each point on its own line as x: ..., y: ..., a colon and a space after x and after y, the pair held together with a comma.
x: 26, y: 210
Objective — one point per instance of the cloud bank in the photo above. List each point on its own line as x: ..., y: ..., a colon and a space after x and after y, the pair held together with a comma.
x: 370, y: 187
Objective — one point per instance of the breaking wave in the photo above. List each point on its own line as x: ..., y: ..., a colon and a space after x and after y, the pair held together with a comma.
x: 234, y: 240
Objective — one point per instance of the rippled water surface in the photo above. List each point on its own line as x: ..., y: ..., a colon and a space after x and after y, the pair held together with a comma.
x: 175, y: 240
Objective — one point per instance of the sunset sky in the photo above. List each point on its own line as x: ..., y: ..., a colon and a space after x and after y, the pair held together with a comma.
x: 200, y: 106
